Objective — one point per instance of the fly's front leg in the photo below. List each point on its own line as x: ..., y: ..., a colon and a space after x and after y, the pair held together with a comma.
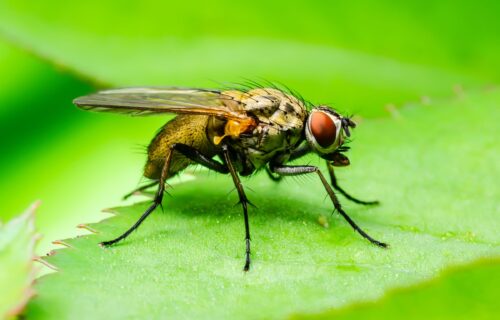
x: 339, y: 189
x: 244, y: 203
x: 190, y: 153
x: 298, y: 152
x: 272, y: 176
x: 298, y: 170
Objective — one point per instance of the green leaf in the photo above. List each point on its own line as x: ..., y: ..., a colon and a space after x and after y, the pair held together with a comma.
x: 17, y: 273
x: 359, y: 56
x: 433, y: 166
x: 464, y: 293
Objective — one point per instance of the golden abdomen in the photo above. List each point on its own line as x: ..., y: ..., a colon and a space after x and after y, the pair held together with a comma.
x: 190, y: 130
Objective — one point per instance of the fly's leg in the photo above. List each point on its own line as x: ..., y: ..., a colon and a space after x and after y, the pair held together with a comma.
x: 299, y: 152
x: 345, y: 194
x: 198, y: 157
x: 190, y: 153
x: 156, y: 202
x: 298, y: 170
x: 142, y: 188
x: 272, y: 176
x: 244, y: 203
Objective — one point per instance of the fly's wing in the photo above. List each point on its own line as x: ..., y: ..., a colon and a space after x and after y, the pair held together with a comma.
x: 151, y: 100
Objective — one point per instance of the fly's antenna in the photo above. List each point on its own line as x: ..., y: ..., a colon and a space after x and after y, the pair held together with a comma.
x: 346, y: 124
x: 343, y: 149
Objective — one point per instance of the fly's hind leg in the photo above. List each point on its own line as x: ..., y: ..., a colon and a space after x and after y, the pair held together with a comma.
x: 335, y: 185
x: 188, y: 152
x: 156, y: 202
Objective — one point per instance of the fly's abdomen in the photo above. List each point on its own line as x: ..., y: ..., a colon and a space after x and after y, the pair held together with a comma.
x: 186, y: 129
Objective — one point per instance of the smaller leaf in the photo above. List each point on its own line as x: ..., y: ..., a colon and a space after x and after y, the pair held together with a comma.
x: 17, y: 272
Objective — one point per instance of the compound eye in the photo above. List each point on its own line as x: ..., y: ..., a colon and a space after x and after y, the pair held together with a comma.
x: 323, y: 129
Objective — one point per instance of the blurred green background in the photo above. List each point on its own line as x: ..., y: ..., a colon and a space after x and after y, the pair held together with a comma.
x: 360, y: 57
x: 368, y: 58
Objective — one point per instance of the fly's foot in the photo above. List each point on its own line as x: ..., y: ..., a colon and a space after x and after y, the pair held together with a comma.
x: 380, y: 244
x: 106, y: 244
x: 356, y: 200
x: 247, y: 263
x: 247, y: 255
x: 370, y: 203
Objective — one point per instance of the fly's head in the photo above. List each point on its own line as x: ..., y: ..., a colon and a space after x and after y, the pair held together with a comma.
x: 326, y: 131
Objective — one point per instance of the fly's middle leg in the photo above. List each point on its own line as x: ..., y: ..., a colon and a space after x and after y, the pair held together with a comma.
x: 190, y: 153
x: 298, y: 170
x: 194, y: 155
x: 336, y: 186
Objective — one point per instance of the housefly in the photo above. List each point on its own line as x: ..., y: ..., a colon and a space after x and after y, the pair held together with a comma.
x: 234, y: 132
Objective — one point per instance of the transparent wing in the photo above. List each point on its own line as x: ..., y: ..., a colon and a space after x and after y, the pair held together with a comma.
x: 157, y: 100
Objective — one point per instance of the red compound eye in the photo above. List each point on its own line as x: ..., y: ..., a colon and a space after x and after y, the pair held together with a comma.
x: 323, y: 129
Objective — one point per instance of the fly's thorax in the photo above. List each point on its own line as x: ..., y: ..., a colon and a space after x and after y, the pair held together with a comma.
x: 234, y: 99
x: 279, y: 129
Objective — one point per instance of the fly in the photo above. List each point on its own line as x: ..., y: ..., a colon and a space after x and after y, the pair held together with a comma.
x: 248, y: 129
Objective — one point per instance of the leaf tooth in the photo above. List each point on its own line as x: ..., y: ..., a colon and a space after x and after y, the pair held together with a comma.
x: 45, y: 263
x: 86, y: 227
x: 113, y: 211
x: 62, y: 243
